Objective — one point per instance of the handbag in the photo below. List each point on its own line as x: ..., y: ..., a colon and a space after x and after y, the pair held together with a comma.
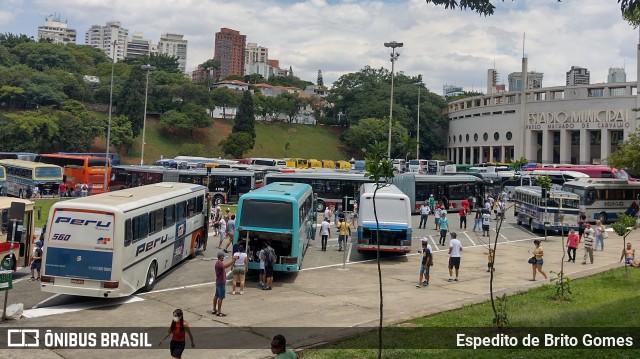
x: 605, y: 234
x: 532, y: 260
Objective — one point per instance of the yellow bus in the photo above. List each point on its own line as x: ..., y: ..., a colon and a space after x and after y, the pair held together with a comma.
x: 313, y: 163
x: 297, y: 163
x: 18, y: 252
x: 328, y: 164
x: 343, y: 165
x: 23, y: 176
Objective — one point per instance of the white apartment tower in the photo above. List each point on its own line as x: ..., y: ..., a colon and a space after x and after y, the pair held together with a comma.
x: 174, y: 45
x: 254, y: 53
x: 103, y: 37
x: 578, y: 76
x: 56, y: 30
x: 138, y: 46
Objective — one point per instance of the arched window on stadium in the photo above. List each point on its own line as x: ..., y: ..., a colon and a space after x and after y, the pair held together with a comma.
x: 496, y: 136
x: 467, y: 137
x: 509, y: 136
x: 485, y: 136
x: 460, y: 138
x: 475, y: 137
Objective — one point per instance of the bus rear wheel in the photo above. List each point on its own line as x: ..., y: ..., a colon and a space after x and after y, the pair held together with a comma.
x: 198, y: 247
x: 151, y: 277
x: 218, y: 200
x: 320, y: 206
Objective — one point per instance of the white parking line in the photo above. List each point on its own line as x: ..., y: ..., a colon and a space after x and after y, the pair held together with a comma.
x: 68, y: 308
x: 434, y: 243
x: 470, y: 240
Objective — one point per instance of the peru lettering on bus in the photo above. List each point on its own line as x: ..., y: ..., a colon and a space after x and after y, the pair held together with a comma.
x: 145, y: 247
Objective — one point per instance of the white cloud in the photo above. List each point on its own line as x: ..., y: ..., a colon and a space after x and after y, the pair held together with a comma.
x: 445, y: 46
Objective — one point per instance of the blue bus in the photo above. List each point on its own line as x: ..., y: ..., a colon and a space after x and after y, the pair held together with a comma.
x: 3, y: 181
x: 393, y: 228
x: 281, y: 213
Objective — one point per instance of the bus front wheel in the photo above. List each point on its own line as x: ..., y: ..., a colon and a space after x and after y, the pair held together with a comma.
x: 603, y: 217
x: 151, y: 277
x: 320, y: 206
x: 218, y: 200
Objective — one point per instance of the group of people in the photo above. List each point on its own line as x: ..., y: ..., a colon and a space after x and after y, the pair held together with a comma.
x: 81, y: 189
x: 223, y: 226
x: 426, y: 260
x: 342, y: 226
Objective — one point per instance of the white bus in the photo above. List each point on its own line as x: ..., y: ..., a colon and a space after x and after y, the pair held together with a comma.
x: 533, y: 210
x: 418, y: 166
x: 510, y: 180
x: 112, y: 244
x: 604, y: 198
x: 24, y: 176
x: 393, y: 208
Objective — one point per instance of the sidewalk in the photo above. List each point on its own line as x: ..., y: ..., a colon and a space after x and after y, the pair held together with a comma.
x: 305, y: 305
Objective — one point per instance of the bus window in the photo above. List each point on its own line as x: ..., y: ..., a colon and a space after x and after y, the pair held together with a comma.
x: 128, y: 232
x: 280, y: 214
x: 181, y: 211
x: 570, y: 203
x: 191, y: 207
x: 606, y: 174
x: 140, y: 227
x: 169, y: 216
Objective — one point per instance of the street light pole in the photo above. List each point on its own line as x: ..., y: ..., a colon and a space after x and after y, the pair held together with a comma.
x: 149, y: 68
x: 113, y: 62
x: 418, y: 130
x: 394, y: 56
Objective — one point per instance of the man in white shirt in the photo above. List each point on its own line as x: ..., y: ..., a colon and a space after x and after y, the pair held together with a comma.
x: 436, y: 215
x: 325, y: 230
x: 455, y: 250
x: 326, y: 213
x: 424, y: 215
x: 222, y: 230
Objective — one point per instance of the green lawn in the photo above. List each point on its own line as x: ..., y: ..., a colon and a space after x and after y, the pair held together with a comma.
x: 305, y: 141
x: 42, y: 206
x: 609, y: 299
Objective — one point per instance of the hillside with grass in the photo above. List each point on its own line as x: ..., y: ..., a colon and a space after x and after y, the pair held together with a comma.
x: 276, y: 140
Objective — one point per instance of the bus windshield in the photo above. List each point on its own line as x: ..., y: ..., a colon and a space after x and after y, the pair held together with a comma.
x: 97, y: 162
x: 2, y: 175
x: 46, y: 172
x: 269, y: 214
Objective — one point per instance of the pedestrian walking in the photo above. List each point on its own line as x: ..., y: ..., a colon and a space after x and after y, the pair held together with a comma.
x: 477, y: 222
x: 240, y: 266
x: 463, y: 217
x: 486, y: 219
x: 444, y: 227
x: 600, y: 232
x: 325, y: 231
x: 436, y: 216
x: 270, y: 258
x: 327, y: 212
x: 581, y: 225
x: 222, y: 231
x: 490, y: 259
x: 354, y: 214
x: 177, y: 330
x: 588, y: 243
x: 432, y: 202
x: 424, y: 215
x: 36, y: 262
x: 500, y: 214
x: 572, y: 245
x: 344, y: 232
x: 426, y: 261
x: 36, y: 192
x: 261, y: 276
x: 231, y: 227
x: 221, y: 282
x: 62, y: 190
x: 455, y: 252
x: 538, y: 253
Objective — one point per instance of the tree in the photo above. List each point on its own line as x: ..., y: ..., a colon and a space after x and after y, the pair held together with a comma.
x: 254, y: 79
x: 176, y: 121
x: 380, y: 170
x: 197, y: 114
x: 10, y: 40
x: 121, y: 132
x: 485, y: 7
x: 224, y: 97
x: 162, y: 62
x: 245, y: 117
x: 291, y: 104
x: 369, y: 130
x: 237, y: 144
x: 130, y: 102
x: 628, y: 154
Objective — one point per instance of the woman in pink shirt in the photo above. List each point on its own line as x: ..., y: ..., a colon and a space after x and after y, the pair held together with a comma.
x: 572, y: 244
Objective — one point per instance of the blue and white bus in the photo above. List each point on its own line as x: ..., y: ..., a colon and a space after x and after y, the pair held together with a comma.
x: 112, y: 244
x: 281, y: 213
x: 605, y: 198
x: 25, y: 175
x: 533, y: 210
x: 394, y: 219
x: 3, y: 181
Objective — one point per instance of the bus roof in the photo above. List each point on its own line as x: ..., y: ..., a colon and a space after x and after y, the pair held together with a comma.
x: 75, y: 157
x: 443, y: 178
x: 285, y: 191
x: 602, y: 182
x: 384, y: 191
x: 328, y: 174
x: 26, y: 164
x: 131, y: 198
x: 5, y: 202
x: 554, y: 193
x: 136, y: 168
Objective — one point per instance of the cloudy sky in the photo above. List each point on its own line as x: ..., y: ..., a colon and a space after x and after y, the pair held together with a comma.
x: 343, y: 36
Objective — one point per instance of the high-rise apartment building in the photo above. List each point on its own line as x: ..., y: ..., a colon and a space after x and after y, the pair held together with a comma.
x: 138, y: 46
x: 534, y: 80
x: 229, y: 51
x: 578, y: 76
x: 107, y: 38
x: 174, y: 45
x: 617, y: 74
x: 56, y: 30
x: 254, y: 53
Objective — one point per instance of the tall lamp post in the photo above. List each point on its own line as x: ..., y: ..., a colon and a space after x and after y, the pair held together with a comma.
x: 394, y: 56
x: 148, y: 68
x: 418, y: 130
x: 113, y: 62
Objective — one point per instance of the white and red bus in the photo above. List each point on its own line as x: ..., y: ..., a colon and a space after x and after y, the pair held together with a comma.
x: 591, y: 171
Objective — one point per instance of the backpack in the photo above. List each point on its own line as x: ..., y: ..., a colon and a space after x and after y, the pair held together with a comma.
x: 270, y: 256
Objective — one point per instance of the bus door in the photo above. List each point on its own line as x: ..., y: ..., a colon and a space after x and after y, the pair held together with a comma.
x: 24, y: 236
x: 233, y: 194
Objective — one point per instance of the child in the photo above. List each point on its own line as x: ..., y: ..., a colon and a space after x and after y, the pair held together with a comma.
x: 490, y: 260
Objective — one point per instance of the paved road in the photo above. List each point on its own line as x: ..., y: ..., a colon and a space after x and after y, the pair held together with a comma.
x: 321, y: 295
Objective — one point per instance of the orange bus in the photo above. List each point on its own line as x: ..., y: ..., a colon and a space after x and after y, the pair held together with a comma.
x: 80, y: 169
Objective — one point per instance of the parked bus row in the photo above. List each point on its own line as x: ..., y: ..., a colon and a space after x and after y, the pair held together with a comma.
x: 3, y: 181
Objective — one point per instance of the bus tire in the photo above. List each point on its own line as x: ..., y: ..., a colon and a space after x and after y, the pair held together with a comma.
x: 519, y: 222
x: 603, y: 217
x: 320, y: 206
x: 218, y: 199
x: 152, y: 275
x: 8, y: 262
